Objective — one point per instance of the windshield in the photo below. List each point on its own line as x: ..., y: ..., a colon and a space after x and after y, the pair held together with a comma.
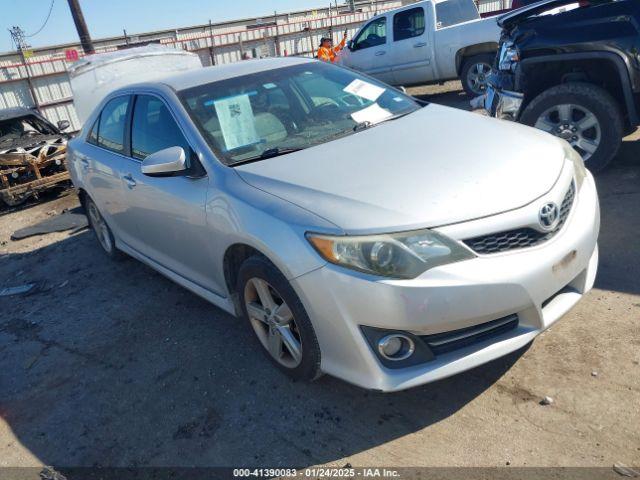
x: 453, y: 12
x: 278, y: 111
x: 22, y: 126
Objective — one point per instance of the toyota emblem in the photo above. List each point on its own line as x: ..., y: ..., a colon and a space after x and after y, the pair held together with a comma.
x: 549, y: 216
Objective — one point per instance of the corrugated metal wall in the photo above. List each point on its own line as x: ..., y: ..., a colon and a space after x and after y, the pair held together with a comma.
x: 296, y: 33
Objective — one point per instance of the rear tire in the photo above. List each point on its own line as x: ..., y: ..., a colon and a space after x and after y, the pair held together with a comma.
x: 281, y: 324
x: 103, y: 233
x: 582, y: 105
x: 474, y: 73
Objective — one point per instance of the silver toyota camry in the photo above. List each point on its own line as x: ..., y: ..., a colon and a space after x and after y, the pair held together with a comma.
x: 358, y: 232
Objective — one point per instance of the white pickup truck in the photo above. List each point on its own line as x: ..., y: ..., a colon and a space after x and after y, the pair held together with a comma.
x: 428, y: 41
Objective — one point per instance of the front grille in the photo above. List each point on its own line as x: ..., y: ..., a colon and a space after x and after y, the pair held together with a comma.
x: 521, y: 237
x: 446, y: 342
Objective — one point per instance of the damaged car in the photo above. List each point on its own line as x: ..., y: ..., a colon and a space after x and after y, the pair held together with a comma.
x: 571, y: 69
x: 346, y: 223
x: 32, y: 155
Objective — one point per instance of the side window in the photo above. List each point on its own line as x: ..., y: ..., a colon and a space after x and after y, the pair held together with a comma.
x: 277, y: 98
x: 153, y: 128
x: 454, y: 12
x: 408, y: 24
x: 112, y: 122
x: 374, y: 34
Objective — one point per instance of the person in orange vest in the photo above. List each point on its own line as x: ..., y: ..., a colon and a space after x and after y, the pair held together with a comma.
x: 327, y: 52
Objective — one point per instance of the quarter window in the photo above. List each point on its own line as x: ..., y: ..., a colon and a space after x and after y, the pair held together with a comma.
x: 374, y: 34
x: 112, y: 122
x: 153, y: 128
x: 408, y: 24
x: 454, y: 12
x: 93, y: 134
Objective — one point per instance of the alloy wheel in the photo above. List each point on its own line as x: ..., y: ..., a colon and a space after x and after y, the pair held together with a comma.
x: 575, y: 124
x: 100, y: 227
x: 273, y: 322
x: 477, y: 78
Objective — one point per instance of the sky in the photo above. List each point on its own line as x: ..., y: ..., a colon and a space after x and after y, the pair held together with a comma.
x: 106, y: 18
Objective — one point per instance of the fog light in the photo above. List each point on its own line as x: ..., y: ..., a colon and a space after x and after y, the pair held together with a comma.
x: 396, y: 347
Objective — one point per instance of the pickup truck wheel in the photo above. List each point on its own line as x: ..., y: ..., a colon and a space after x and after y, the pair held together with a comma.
x: 584, y: 115
x: 102, y: 231
x: 278, y: 319
x: 475, y: 73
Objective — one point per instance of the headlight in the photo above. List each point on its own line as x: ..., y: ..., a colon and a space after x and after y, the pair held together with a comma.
x: 578, y: 164
x: 509, y: 56
x: 396, y: 255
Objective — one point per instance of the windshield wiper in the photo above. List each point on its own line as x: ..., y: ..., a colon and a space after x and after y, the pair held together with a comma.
x: 269, y: 153
x: 362, y: 126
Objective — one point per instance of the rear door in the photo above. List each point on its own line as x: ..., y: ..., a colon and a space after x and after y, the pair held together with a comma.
x: 369, y: 50
x: 167, y: 213
x: 412, y: 50
x: 101, y: 159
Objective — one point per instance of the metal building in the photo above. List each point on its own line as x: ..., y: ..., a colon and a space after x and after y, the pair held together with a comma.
x: 42, y: 81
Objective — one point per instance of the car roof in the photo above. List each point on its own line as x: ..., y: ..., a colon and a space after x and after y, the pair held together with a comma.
x: 201, y: 76
x: 16, y: 112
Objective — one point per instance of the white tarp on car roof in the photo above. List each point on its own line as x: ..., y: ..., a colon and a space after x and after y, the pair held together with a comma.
x: 95, y: 76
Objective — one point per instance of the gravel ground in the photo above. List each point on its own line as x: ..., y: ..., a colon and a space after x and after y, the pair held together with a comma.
x: 110, y: 364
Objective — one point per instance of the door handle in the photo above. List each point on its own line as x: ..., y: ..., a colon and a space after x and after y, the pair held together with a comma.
x: 130, y: 181
x: 419, y: 45
x: 380, y: 53
x: 84, y: 162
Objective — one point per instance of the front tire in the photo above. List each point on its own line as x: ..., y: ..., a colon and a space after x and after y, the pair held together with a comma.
x: 278, y: 319
x: 585, y: 115
x: 475, y: 74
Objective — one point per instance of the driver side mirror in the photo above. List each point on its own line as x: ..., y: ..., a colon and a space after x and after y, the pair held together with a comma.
x: 164, y: 163
x: 351, y: 45
x: 63, y: 125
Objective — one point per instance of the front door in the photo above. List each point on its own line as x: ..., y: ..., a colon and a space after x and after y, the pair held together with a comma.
x: 167, y: 213
x: 411, y: 48
x: 369, y: 51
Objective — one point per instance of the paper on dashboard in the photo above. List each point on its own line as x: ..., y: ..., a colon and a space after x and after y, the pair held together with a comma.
x: 364, y: 90
x: 373, y: 114
x: 237, y: 121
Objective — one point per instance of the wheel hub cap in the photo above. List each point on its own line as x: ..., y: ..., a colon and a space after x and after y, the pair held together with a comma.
x: 575, y: 124
x: 273, y: 322
x: 477, y: 77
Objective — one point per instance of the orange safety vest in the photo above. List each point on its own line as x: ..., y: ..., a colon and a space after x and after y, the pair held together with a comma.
x: 329, y: 54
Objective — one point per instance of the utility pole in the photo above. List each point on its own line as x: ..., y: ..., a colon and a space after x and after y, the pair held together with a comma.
x: 276, y: 38
x: 212, y: 53
x: 17, y: 34
x: 81, y: 27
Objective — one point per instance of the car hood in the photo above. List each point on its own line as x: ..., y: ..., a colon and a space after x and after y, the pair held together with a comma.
x: 511, y: 19
x: 435, y: 167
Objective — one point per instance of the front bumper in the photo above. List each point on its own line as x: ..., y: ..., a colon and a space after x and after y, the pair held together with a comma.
x: 539, y: 284
x: 503, y: 104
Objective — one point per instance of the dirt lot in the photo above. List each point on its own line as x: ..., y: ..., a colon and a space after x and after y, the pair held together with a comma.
x: 110, y: 364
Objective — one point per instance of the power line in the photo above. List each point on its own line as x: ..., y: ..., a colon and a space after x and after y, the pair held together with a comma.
x: 45, y: 21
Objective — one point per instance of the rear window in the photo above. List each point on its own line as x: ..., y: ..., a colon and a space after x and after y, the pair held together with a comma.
x: 454, y: 12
